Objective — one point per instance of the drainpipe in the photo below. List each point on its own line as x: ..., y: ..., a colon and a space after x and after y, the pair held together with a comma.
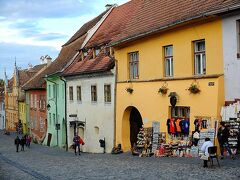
x: 55, y: 106
x: 65, y: 111
x: 115, y: 102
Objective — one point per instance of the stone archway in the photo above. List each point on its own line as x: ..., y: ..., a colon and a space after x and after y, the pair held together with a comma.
x: 132, y: 122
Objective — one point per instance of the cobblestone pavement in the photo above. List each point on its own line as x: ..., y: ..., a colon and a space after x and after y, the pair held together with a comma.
x: 41, y: 162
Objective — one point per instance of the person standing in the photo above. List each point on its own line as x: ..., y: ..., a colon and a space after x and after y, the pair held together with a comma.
x: 204, y: 149
x: 22, y: 142
x: 223, y: 135
x: 28, y: 141
x: 17, y: 142
x: 76, y: 141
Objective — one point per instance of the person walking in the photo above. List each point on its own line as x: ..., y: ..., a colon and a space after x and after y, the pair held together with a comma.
x: 208, y: 143
x: 223, y: 135
x: 76, y: 141
x: 22, y: 142
x: 28, y: 141
x: 17, y: 142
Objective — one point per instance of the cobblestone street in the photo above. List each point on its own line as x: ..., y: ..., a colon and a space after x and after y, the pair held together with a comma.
x: 40, y: 162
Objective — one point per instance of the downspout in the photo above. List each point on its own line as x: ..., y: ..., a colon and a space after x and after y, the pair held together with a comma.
x: 55, y: 106
x: 65, y: 100
x: 115, y: 102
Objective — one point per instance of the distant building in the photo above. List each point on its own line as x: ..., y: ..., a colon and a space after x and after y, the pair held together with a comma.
x: 14, y: 93
x: 2, y: 107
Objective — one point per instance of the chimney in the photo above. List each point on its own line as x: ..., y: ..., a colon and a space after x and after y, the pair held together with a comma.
x: 30, y: 66
x: 46, y: 59
x: 109, y: 6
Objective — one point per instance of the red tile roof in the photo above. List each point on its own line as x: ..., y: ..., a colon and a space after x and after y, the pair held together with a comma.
x: 99, y: 64
x: 151, y: 16
x: 108, y: 30
x: 114, y: 24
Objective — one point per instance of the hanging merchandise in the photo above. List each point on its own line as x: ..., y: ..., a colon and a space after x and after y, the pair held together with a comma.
x: 178, y: 127
x: 144, y: 143
x: 171, y: 126
x: 185, y: 127
x: 234, y: 128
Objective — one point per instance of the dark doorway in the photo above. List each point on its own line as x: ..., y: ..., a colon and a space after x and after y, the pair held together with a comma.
x: 135, y: 125
x: 49, y: 139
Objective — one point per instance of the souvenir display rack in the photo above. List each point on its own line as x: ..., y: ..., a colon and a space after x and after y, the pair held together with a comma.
x: 234, y: 128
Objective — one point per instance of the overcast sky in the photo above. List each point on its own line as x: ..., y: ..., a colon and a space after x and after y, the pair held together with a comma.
x: 32, y: 28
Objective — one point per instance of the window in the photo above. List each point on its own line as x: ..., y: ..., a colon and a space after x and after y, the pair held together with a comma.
x: 79, y: 97
x: 97, y: 51
x: 94, y: 93
x: 71, y: 93
x: 180, y: 112
x: 35, y: 101
x: 42, y: 102
x: 31, y: 100
x: 107, y: 93
x: 54, y: 90
x: 49, y: 90
x: 50, y: 120
x: 42, y: 124
x: 133, y: 65
x: 238, y: 38
x: 168, y: 59
x: 54, y: 119
x: 199, y: 58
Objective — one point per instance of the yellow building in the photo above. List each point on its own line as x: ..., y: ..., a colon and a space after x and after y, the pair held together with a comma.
x: 22, y: 116
x: 11, y: 97
x: 184, y: 58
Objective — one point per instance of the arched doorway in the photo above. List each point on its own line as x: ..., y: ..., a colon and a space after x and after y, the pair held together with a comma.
x: 132, y: 122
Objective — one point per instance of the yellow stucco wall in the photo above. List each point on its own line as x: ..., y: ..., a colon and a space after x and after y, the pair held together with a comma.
x: 145, y: 97
x: 22, y: 115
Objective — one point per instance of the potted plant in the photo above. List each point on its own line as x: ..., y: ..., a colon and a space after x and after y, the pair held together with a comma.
x: 129, y: 90
x: 194, y: 88
x: 163, y: 90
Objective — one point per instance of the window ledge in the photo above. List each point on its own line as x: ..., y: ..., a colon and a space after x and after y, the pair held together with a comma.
x: 107, y: 103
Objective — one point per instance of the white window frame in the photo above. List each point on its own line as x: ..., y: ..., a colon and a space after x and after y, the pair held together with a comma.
x: 70, y: 93
x: 94, y: 96
x: 199, y: 64
x: 133, y: 65
x: 107, y: 94
x: 79, y: 93
x: 168, y: 61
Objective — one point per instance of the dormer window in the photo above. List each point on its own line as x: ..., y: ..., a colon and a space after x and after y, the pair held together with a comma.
x: 85, y: 54
x: 97, y: 51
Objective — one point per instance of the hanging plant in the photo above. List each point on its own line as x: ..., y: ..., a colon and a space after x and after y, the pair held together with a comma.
x: 129, y: 90
x: 194, y: 88
x: 163, y: 90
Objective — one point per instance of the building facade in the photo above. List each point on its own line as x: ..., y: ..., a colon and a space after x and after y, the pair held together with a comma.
x: 2, y: 105
x: 86, y: 94
x: 231, y: 55
x: 169, y: 69
x: 22, y: 116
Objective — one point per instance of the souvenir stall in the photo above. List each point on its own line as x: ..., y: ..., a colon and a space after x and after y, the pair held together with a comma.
x: 143, y: 148
x: 231, y: 117
x: 179, y: 141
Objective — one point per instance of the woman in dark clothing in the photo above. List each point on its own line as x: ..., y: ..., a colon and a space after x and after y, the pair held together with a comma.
x: 17, y: 142
x: 22, y: 142
x: 223, y: 135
